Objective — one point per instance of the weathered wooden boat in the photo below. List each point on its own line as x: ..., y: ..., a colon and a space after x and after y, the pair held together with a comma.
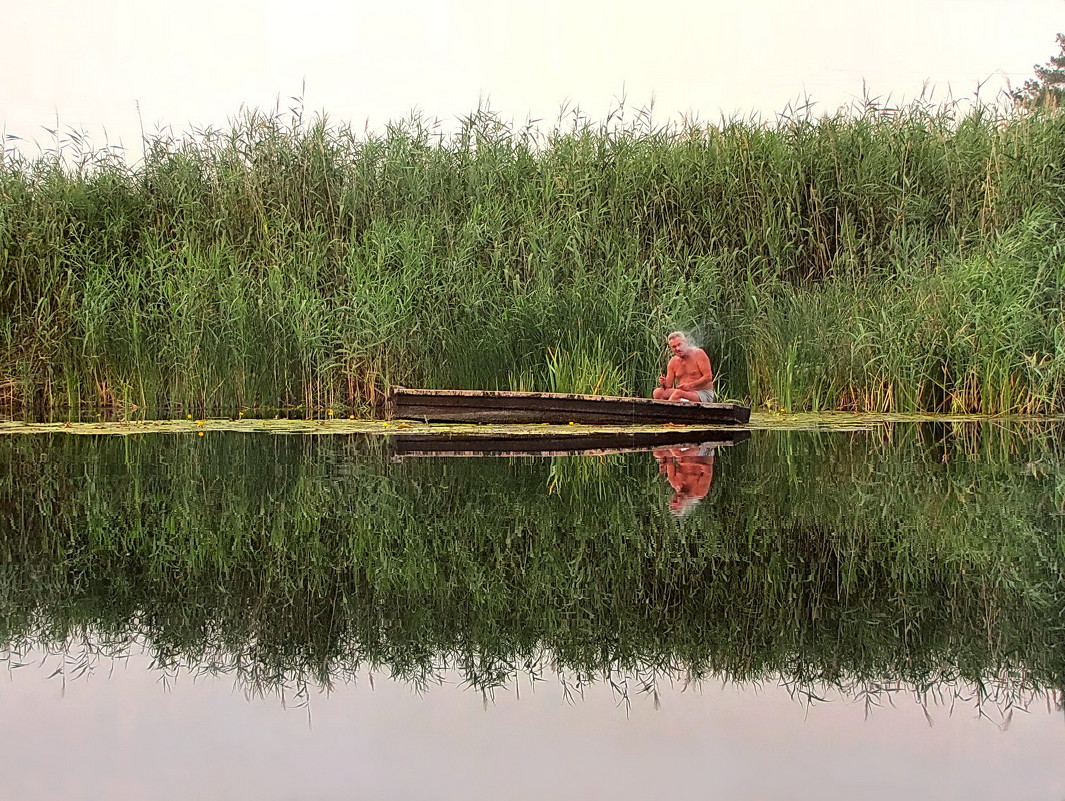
x: 488, y: 406
x: 554, y: 444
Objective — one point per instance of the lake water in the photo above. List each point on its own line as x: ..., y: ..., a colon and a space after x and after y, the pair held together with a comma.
x: 872, y: 613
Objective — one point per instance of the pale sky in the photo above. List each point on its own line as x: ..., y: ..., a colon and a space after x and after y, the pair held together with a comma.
x: 197, y: 63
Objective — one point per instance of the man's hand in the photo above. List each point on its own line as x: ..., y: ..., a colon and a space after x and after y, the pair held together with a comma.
x: 662, y: 382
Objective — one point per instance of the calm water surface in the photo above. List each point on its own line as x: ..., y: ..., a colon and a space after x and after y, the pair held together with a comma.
x: 802, y: 615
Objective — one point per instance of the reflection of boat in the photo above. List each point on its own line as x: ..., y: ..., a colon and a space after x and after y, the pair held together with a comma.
x: 487, y: 406
x: 554, y: 444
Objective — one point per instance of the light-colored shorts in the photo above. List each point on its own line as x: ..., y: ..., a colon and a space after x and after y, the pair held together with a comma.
x: 706, y: 395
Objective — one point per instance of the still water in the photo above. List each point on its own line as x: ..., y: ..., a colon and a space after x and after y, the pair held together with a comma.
x: 818, y: 614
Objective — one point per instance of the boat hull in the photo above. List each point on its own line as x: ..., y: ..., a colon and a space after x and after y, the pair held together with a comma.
x: 488, y: 406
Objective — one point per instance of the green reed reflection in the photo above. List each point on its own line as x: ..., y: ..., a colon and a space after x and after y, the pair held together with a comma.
x: 913, y: 554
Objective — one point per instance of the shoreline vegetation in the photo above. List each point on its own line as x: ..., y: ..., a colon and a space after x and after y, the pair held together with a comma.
x: 836, y: 422
x: 885, y: 259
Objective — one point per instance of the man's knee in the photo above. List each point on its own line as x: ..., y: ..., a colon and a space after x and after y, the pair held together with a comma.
x: 660, y: 394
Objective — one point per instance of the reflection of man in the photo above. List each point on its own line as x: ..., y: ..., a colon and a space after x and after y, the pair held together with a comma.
x: 688, y: 375
x: 689, y: 471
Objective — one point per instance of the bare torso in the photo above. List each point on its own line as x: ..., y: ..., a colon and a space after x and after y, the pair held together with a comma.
x: 692, y: 371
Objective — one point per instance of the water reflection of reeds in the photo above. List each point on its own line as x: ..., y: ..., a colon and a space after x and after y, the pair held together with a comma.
x: 909, y: 557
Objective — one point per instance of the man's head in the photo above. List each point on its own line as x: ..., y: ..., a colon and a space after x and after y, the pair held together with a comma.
x: 678, y: 343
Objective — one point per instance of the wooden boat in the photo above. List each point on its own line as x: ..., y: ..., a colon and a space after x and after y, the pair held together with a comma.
x: 554, y: 444
x: 487, y: 406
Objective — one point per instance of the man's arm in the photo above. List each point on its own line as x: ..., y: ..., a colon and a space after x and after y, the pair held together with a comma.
x: 671, y: 374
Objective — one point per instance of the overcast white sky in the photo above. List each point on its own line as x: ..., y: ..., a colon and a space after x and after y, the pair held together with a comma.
x: 197, y: 62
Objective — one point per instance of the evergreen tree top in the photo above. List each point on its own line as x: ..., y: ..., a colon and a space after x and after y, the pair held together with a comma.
x: 1047, y: 88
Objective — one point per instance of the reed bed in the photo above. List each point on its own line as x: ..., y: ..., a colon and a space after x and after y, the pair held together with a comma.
x: 879, y: 259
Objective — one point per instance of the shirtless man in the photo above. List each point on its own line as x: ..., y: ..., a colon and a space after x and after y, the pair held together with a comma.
x: 688, y: 374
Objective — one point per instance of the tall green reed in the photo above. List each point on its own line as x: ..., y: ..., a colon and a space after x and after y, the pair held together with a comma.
x: 885, y: 259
